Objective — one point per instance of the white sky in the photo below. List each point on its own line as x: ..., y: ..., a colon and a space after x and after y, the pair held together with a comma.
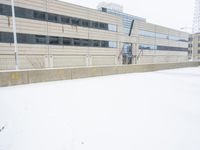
x: 170, y: 13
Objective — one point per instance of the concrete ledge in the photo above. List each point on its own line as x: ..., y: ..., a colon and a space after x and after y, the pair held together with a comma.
x: 11, y: 78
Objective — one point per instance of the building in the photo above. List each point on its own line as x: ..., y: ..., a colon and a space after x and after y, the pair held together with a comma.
x: 194, y: 47
x: 52, y: 33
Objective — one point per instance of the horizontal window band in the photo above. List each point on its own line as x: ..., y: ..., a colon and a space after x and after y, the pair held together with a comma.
x: 55, y: 18
x: 7, y: 37
x: 161, y: 48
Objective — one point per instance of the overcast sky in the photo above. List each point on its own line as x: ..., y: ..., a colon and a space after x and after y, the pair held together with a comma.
x: 170, y: 13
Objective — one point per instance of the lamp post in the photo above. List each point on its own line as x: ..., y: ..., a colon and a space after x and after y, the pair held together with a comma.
x: 15, y: 35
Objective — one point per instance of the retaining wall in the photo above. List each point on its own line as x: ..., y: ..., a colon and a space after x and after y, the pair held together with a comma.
x: 11, y: 78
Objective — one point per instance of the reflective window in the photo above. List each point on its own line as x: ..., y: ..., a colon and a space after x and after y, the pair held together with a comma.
x: 147, y: 47
x: 112, y: 27
x: 147, y: 33
x: 161, y: 36
x: 38, y: 15
x: 7, y: 37
x: 112, y: 44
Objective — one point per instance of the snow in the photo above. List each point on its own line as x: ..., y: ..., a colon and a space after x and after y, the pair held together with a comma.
x: 142, y: 111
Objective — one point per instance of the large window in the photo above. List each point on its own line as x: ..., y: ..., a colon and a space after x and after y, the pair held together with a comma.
x: 85, y: 23
x: 38, y: 15
x: 112, y: 44
x: 53, y: 40
x: 40, y: 39
x: 7, y: 37
x: 76, y: 21
x: 104, y: 44
x: 112, y: 27
x: 147, y: 33
x: 96, y: 43
x: 161, y: 36
x: 53, y: 18
x: 45, y: 16
x: 85, y: 42
x: 147, y: 47
x: 77, y: 42
x: 67, y: 41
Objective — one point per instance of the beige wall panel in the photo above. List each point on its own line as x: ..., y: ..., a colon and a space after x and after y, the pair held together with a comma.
x: 6, y: 48
x: 146, y: 60
x: 69, y: 61
x: 68, y: 50
x: 31, y: 4
x: 7, y: 62
x: 103, y: 60
x: 146, y: 40
x: 31, y: 61
x: 163, y: 30
x: 102, y: 51
x: 162, y: 42
x: 33, y: 49
x: 147, y: 27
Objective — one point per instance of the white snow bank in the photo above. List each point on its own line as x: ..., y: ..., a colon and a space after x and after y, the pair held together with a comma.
x: 142, y: 111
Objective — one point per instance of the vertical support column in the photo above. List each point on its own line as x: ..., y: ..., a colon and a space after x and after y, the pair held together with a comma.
x: 15, y: 36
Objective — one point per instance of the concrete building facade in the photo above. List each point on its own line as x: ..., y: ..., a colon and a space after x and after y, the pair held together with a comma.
x: 53, y: 34
x: 194, y: 47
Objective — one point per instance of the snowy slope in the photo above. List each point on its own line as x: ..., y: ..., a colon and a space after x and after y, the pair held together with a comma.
x: 142, y: 111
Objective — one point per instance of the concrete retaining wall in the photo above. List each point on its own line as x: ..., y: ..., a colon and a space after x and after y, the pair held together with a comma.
x: 11, y: 78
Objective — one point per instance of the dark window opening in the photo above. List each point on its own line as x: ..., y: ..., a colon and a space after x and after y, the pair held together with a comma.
x: 85, y: 23
x: 6, y: 37
x: 52, y: 17
x: 84, y: 42
x: 40, y: 39
x: 95, y: 25
x: 104, y: 44
x: 1, y: 9
x: 77, y: 42
x: 67, y: 41
x: 53, y: 40
x: 6, y: 10
x: 23, y: 13
x: 104, y: 26
x: 96, y: 43
x: 65, y: 20
x: 75, y: 21
x: 104, y: 9
x: 38, y: 15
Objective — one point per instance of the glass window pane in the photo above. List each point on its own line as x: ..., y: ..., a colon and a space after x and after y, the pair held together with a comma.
x: 112, y: 27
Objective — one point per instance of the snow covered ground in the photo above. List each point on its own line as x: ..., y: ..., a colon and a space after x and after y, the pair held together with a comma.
x: 142, y: 111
